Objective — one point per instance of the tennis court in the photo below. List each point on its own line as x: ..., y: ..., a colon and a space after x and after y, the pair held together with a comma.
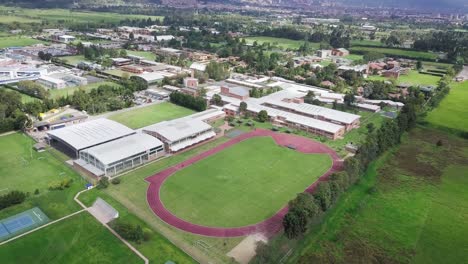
x: 22, y: 222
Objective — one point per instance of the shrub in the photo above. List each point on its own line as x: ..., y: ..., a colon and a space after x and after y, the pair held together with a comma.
x: 129, y: 231
x: 116, y: 181
x: 36, y: 192
x: 103, y: 183
x: 60, y: 185
x: 440, y: 143
x: 12, y: 198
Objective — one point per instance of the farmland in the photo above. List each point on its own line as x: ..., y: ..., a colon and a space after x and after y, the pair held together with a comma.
x: 17, y: 41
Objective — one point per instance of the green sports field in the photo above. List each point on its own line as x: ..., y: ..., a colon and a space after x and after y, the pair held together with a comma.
x: 281, y: 42
x: 26, y: 170
x: 412, y: 78
x: 397, y: 52
x: 241, y: 185
x: 453, y: 110
x: 145, y: 116
x: 55, y: 93
x: 17, y: 41
x: 79, y: 239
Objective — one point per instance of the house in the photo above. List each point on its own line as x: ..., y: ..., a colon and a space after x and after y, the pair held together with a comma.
x: 324, y: 53
x: 66, y: 38
x: 340, y: 52
x: 164, y: 38
x: 190, y: 82
x: 235, y: 92
x: 327, y: 84
x: 121, y: 61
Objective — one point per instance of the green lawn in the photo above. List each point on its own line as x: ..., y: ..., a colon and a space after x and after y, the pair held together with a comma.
x: 157, y: 249
x: 453, y: 110
x: 366, y: 42
x: 148, y: 55
x: 25, y: 170
x: 79, y: 239
x: 412, y: 78
x: 281, y: 42
x: 119, y: 73
x: 354, y: 57
x: 61, y: 15
x: 55, y: 93
x: 17, y: 41
x: 74, y: 60
x: 397, y: 52
x: 24, y: 97
x: 145, y: 116
x: 241, y: 185
x: 409, y: 208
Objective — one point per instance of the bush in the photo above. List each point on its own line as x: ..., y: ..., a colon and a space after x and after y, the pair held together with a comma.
x: 440, y: 143
x: 12, y: 198
x: 60, y: 185
x: 103, y: 183
x: 36, y: 192
x: 129, y: 231
x: 116, y: 181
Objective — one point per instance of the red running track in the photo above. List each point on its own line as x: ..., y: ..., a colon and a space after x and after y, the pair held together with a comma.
x: 268, y: 226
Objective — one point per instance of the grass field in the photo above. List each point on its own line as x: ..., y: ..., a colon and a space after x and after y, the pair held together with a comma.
x: 408, y: 208
x: 354, y: 57
x: 55, y: 93
x: 452, y: 111
x: 236, y: 187
x: 145, y: 116
x: 74, y: 60
x: 61, y: 15
x: 16, y: 19
x: 412, y: 78
x: 148, y: 55
x: 397, y: 52
x: 157, y: 249
x: 25, y: 170
x: 17, y: 41
x: 366, y: 42
x: 24, y: 97
x: 119, y: 73
x: 79, y: 239
x: 281, y: 42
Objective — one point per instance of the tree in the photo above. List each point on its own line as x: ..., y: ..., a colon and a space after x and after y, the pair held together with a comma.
x: 349, y: 99
x: 262, y: 116
x: 370, y: 127
x: 131, y: 36
x: 323, y: 195
x: 419, y: 65
x: 294, y: 223
x: 217, y: 100
x: 123, y: 53
x: 243, y: 107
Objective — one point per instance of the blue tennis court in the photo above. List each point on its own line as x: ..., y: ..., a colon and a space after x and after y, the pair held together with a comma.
x: 22, y: 222
x: 18, y: 223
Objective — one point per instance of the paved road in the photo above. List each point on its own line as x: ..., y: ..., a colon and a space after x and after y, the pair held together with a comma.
x: 464, y: 73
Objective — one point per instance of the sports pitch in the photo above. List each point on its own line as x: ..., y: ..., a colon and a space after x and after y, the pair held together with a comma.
x: 149, y: 115
x: 241, y: 185
x: 22, y: 222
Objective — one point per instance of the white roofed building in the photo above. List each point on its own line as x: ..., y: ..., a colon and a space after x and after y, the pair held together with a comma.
x: 181, y: 133
x: 114, y: 157
x: 72, y: 139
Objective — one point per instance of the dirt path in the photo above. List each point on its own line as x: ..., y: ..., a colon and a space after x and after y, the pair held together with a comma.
x: 268, y: 226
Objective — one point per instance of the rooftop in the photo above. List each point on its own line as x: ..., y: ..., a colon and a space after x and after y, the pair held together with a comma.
x: 123, y: 148
x: 91, y: 133
x: 177, y: 129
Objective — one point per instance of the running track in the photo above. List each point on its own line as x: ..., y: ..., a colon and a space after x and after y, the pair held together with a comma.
x: 268, y: 226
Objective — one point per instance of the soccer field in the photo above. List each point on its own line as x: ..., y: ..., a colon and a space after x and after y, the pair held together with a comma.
x: 79, y: 239
x: 452, y: 111
x: 281, y: 42
x: 412, y: 78
x: 145, y: 116
x: 241, y: 185
x: 26, y: 170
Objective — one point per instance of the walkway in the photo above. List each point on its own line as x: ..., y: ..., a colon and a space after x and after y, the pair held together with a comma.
x: 268, y: 226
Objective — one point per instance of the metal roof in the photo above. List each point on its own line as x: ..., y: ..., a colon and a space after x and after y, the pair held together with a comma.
x: 91, y: 133
x: 178, y: 129
x: 123, y: 148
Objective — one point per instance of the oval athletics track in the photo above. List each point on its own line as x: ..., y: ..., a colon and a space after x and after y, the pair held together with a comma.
x: 268, y: 226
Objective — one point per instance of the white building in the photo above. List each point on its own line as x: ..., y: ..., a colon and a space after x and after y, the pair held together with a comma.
x: 114, y: 157
x: 66, y: 38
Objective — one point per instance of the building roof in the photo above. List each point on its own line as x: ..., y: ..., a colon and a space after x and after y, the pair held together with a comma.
x: 178, y: 128
x: 151, y: 77
x: 198, y: 66
x: 240, y: 91
x: 91, y: 133
x: 123, y: 148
